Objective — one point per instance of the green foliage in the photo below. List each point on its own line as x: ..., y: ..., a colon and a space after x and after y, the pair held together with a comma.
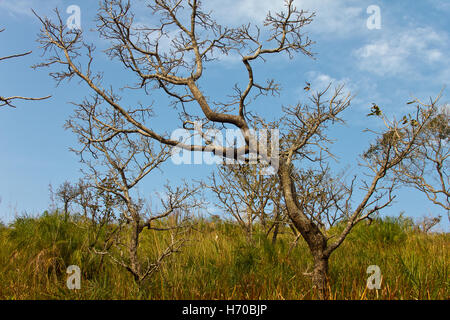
x: 219, y: 263
x: 49, y: 237
x: 245, y: 258
x: 384, y: 231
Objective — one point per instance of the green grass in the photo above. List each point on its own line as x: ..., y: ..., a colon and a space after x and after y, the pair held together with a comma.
x: 218, y: 263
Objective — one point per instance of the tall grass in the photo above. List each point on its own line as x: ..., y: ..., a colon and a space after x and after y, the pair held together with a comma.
x: 218, y: 263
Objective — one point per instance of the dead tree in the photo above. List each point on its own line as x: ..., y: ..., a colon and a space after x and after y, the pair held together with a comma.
x: 197, y: 40
x: 8, y: 101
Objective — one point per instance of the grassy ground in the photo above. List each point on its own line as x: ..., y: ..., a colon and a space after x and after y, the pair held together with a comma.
x: 218, y: 263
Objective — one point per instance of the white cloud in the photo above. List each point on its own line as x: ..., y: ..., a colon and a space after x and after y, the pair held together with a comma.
x: 441, y: 4
x: 402, y: 53
x: 23, y: 7
x: 340, y: 18
x: 434, y: 55
x: 320, y: 81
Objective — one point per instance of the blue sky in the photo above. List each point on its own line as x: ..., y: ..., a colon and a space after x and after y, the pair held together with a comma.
x: 408, y: 56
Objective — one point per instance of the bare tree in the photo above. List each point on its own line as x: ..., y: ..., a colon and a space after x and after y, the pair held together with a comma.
x: 117, y: 163
x: 122, y: 244
x: 88, y: 200
x: 321, y: 194
x: 392, y: 146
x: 248, y: 197
x: 8, y: 101
x: 198, y: 40
x: 67, y: 193
x: 427, y: 168
x: 427, y: 223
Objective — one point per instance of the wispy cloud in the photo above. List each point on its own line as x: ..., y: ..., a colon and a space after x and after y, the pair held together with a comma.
x: 341, y: 18
x: 404, y: 53
x: 19, y: 8
x: 441, y: 4
x: 15, y: 8
x: 319, y: 81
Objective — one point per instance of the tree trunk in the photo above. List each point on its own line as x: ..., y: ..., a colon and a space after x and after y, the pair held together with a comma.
x: 320, y: 277
x: 135, y: 265
x: 275, y: 233
x: 66, y: 211
x: 277, y: 223
x: 249, y: 234
x: 315, y: 239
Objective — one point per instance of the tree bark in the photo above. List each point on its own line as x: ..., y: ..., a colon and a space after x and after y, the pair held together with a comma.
x: 135, y: 265
x: 66, y: 211
x: 315, y: 239
x: 276, y: 227
x: 320, y: 276
x: 275, y: 233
